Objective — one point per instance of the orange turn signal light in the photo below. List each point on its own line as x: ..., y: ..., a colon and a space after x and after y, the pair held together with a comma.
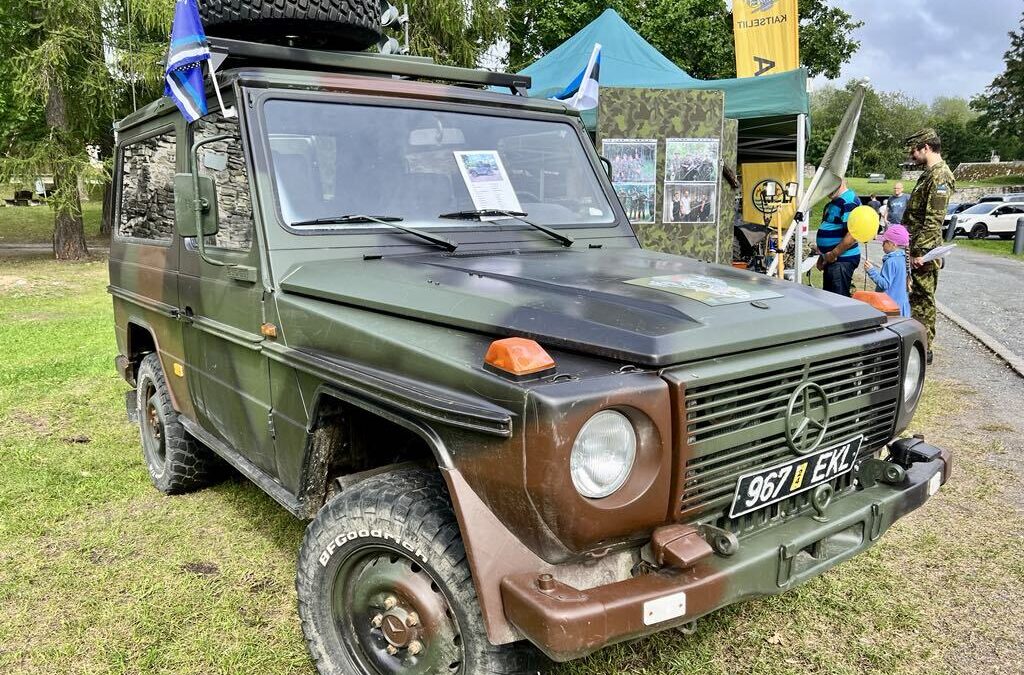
x: 518, y: 356
x: 880, y: 301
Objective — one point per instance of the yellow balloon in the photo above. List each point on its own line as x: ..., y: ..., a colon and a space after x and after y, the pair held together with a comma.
x: 863, y: 224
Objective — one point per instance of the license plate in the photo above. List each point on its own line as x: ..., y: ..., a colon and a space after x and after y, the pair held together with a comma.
x: 763, y: 487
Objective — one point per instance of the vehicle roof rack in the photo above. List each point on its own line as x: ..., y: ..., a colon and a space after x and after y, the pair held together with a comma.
x: 237, y: 53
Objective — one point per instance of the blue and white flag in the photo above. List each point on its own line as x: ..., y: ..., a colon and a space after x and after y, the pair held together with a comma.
x: 582, y: 92
x: 184, y: 73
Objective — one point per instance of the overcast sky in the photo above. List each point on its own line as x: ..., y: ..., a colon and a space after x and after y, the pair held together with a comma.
x: 930, y: 48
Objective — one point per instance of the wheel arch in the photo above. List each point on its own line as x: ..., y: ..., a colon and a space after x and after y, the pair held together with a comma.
x: 339, y: 424
x: 140, y: 340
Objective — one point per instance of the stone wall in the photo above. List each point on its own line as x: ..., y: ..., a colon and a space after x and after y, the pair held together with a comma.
x: 974, y: 194
x: 234, y: 201
x: 147, y: 193
x: 975, y: 171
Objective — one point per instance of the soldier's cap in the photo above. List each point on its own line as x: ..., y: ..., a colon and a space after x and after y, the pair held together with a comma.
x: 915, y: 141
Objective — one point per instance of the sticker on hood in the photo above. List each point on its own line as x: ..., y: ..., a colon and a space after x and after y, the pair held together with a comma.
x: 709, y: 290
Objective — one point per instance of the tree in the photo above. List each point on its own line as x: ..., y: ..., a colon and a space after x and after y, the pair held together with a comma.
x: 695, y: 34
x: 1002, y: 104
x: 825, y: 42
x: 886, y: 119
x: 455, y: 32
x: 65, y: 87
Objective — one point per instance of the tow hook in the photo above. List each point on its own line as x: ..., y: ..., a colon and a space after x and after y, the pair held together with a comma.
x: 722, y: 541
x: 873, y: 471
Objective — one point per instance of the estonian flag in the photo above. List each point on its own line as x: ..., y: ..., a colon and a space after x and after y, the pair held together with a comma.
x: 582, y: 92
x: 184, y: 73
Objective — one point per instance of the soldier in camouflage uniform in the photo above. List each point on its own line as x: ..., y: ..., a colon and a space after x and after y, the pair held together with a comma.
x: 924, y: 216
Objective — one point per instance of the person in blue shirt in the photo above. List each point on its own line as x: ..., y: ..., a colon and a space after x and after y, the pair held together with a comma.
x: 892, y: 278
x: 839, y: 252
x: 897, y: 204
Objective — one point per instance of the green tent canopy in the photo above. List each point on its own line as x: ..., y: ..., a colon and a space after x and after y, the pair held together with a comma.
x: 766, y: 106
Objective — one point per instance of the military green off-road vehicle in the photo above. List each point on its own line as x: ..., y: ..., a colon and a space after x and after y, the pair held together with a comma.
x: 513, y: 429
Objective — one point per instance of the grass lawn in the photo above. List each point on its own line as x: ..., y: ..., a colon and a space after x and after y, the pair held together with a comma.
x: 993, y: 246
x: 101, y: 573
x: 21, y: 225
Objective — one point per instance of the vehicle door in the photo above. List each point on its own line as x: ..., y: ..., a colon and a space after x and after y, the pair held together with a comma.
x: 1006, y: 219
x: 222, y: 300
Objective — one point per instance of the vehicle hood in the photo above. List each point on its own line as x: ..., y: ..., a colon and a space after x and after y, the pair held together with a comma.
x: 594, y: 301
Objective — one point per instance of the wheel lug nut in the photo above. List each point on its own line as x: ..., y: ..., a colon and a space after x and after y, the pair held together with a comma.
x: 377, y: 620
x: 391, y: 649
x: 415, y: 647
x: 412, y: 619
x: 390, y: 602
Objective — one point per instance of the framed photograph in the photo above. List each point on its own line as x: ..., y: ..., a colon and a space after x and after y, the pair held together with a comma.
x: 691, y: 160
x: 633, y: 160
x: 638, y: 200
x: 690, y: 203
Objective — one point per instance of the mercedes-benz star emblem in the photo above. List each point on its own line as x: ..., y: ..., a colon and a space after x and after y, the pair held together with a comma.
x: 806, y: 418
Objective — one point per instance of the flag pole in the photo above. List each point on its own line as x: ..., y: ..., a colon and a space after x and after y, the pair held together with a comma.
x: 801, y: 151
x: 226, y: 111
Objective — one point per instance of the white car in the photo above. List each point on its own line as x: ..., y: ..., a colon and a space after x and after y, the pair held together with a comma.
x: 988, y: 218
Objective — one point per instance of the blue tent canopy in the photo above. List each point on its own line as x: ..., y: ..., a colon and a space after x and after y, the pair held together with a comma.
x: 766, y: 106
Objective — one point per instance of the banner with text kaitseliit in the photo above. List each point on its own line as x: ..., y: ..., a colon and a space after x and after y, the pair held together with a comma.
x: 767, y: 36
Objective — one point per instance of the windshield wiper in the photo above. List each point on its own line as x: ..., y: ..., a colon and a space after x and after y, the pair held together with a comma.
x: 565, y: 239
x: 390, y: 221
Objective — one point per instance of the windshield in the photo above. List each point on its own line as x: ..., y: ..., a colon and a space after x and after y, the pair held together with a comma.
x: 335, y: 159
x: 982, y: 208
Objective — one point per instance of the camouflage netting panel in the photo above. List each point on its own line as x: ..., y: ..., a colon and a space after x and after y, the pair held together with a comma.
x: 224, y: 161
x: 661, y: 114
x: 727, y: 208
x: 147, y: 193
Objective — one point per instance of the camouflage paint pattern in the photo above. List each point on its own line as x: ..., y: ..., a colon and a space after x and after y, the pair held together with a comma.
x: 924, y: 218
x: 367, y: 336
x: 727, y: 203
x: 671, y: 113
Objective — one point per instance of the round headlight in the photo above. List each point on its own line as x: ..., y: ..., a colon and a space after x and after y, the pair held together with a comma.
x: 603, y: 454
x: 913, y: 377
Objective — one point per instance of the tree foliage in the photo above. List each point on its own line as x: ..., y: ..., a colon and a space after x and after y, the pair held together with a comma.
x: 1002, y: 104
x: 65, y: 84
x: 696, y: 35
x: 455, y: 32
x: 889, y: 117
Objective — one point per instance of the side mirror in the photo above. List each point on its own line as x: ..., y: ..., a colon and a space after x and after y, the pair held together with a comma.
x: 184, y: 205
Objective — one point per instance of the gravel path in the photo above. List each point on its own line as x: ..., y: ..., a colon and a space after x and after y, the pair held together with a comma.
x: 992, y: 410
x: 988, y: 291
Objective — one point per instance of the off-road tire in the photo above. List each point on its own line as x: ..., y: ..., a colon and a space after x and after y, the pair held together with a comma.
x: 178, y: 462
x: 405, y: 514
x: 313, y: 24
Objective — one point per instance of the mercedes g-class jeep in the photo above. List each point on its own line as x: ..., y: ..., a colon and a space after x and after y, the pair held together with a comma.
x: 513, y: 429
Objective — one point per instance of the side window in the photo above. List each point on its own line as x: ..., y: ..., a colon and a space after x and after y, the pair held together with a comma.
x: 224, y: 161
x: 147, y: 189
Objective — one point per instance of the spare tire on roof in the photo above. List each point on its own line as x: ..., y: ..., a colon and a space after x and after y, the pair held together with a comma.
x: 314, y: 24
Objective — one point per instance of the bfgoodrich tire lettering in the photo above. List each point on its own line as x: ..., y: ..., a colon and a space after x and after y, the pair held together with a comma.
x: 382, y: 567
x: 327, y: 24
x: 177, y: 462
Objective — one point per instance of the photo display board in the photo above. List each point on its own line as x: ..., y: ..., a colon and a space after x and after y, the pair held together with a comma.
x: 666, y: 151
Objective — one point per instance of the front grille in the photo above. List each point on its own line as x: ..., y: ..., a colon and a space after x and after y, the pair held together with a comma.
x: 734, y: 426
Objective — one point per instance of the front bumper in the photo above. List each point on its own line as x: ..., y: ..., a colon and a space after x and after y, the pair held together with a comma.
x: 568, y: 623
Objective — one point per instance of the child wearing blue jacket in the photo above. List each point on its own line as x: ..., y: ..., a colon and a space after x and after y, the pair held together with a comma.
x: 892, y: 278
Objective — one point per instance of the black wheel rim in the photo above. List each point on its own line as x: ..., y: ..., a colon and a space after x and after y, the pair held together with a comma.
x: 153, y: 436
x: 392, y: 615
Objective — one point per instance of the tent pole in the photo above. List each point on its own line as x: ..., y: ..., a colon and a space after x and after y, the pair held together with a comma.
x: 801, y: 150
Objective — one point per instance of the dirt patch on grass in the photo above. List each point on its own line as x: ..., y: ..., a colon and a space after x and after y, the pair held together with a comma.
x: 201, y: 568
x: 37, y: 425
x: 8, y: 281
